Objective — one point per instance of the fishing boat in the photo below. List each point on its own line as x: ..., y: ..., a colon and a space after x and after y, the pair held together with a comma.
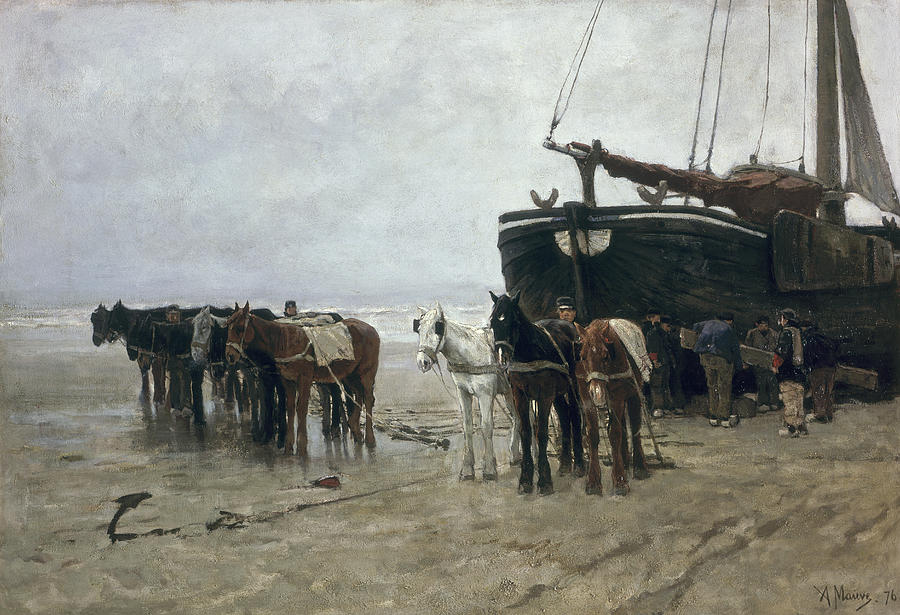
x: 761, y: 239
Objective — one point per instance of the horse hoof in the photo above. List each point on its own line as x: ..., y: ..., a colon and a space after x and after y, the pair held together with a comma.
x: 371, y: 444
x: 489, y: 477
x: 593, y: 490
x: 641, y: 474
x: 545, y: 489
x: 621, y: 490
x: 466, y: 477
x: 525, y: 488
x: 565, y: 468
x: 580, y: 470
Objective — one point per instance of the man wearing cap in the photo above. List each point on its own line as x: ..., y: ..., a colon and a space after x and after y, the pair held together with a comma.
x: 764, y: 338
x: 658, y: 351
x: 290, y: 308
x: 720, y: 354
x: 565, y: 307
x: 787, y: 365
x: 672, y: 340
x: 651, y: 319
x: 820, y: 360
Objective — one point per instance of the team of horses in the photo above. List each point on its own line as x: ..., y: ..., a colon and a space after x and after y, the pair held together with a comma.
x: 590, y: 376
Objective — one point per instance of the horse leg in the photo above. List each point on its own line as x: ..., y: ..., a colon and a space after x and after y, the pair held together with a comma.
x: 489, y: 460
x: 302, y: 408
x: 639, y: 462
x: 290, y: 405
x: 369, y: 401
x: 197, y: 394
x: 545, y: 480
x: 145, y: 383
x: 467, y: 472
x: 325, y: 403
x: 565, y: 426
x: 281, y: 414
x: 515, y: 438
x: 575, y: 420
x: 522, y: 406
x: 617, y: 433
x: 593, y: 485
x: 337, y: 410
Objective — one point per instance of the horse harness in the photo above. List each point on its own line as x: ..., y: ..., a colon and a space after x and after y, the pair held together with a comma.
x: 629, y: 373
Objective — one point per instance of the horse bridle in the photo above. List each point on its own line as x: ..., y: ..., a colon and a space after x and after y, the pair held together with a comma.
x: 240, y: 347
x: 440, y: 329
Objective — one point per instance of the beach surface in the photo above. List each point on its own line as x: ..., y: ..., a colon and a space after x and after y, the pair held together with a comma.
x: 745, y: 523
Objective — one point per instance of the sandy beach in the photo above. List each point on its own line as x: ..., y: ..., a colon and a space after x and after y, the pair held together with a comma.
x: 746, y: 522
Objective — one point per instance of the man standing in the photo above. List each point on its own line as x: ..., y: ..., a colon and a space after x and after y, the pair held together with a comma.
x: 764, y: 338
x: 672, y: 338
x: 658, y: 350
x: 719, y: 352
x: 290, y: 308
x: 651, y: 319
x: 787, y: 366
x: 179, y: 378
x: 820, y: 358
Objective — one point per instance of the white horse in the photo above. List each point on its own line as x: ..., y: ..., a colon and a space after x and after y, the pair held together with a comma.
x: 469, y: 351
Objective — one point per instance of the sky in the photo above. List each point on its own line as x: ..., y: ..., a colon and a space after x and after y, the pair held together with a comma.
x: 357, y: 152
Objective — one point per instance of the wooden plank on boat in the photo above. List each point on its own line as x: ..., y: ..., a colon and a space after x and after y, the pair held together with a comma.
x: 810, y: 254
x: 853, y: 376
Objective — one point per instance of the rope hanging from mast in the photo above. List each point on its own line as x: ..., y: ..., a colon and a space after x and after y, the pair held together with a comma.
x: 768, y: 72
x: 712, y: 137
x: 578, y: 59
x: 693, y: 155
x: 803, y: 111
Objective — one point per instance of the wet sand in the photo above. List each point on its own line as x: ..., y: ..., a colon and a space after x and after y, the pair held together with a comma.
x: 746, y: 522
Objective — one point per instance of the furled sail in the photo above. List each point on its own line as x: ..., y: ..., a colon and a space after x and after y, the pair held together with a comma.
x: 868, y: 172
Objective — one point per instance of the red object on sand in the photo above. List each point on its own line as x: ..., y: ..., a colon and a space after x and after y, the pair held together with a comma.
x: 330, y: 482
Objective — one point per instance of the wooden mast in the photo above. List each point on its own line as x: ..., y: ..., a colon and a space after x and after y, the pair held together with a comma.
x: 828, y: 136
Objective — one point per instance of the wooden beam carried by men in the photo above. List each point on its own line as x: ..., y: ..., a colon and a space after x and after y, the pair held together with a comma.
x: 853, y: 376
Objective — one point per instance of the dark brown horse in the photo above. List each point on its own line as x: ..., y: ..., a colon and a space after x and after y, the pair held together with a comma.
x: 293, y: 353
x: 609, y: 380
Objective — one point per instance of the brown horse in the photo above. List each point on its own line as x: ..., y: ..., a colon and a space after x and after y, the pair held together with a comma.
x: 292, y: 351
x: 609, y: 380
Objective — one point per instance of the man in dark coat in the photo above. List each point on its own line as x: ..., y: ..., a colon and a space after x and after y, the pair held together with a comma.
x: 720, y: 353
x: 658, y: 350
x: 787, y: 366
x: 676, y: 373
x: 820, y: 361
x: 764, y: 338
x: 179, y: 376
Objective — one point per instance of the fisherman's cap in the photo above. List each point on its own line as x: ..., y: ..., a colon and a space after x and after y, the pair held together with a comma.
x: 789, y: 314
x: 665, y: 318
x: 565, y: 303
x: 172, y: 307
x: 290, y: 303
x: 762, y: 318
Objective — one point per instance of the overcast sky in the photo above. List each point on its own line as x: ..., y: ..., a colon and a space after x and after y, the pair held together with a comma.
x: 357, y: 151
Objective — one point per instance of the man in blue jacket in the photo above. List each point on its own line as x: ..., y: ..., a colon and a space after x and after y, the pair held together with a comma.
x: 720, y: 354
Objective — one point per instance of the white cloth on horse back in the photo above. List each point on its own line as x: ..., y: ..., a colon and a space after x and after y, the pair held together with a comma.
x: 307, y: 321
x: 633, y: 339
x: 331, y: 343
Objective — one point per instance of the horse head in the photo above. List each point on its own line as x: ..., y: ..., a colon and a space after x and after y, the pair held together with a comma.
x: 240, y: 333
x: 431, y: 327
x: 200, y: 338
x: 597, y: 352
x: 506, y: 319
x: 100, y: 321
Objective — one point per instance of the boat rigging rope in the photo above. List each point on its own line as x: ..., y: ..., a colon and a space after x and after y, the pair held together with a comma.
x: 581, y: 51
x: 712, y: 19
x: 768, y: 71
x: 712, y: 137
x: 803, y: 111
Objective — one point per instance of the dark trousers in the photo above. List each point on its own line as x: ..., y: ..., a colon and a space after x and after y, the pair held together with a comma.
x: 767, y: 387
x: 660, y: 394
x: 718, y: 380
x: 821, y: 383
x: 179, y: 384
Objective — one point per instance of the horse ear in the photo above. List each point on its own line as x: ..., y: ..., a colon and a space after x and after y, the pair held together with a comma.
x: 119, y: 302
x: 421, y: 310
x: 493, y: 296
x: 236, y: 306
x: 515, y: 297
x: 246, y: 307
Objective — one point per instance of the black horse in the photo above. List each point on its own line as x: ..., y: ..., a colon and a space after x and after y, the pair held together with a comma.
x: 541, y: 359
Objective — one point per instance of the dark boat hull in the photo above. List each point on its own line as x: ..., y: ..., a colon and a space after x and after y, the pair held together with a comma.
x: 690, y: 262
